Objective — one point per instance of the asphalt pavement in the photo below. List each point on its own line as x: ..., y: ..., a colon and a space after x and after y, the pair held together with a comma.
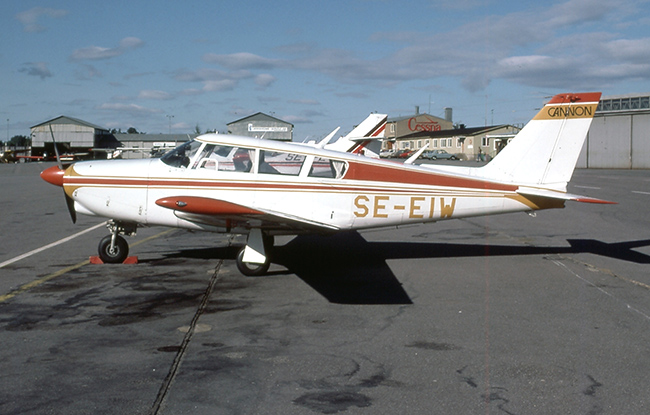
x: 506, y: 314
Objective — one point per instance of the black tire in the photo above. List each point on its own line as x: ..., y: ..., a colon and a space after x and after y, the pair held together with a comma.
x: 250, y: 269
x: 119, y: 253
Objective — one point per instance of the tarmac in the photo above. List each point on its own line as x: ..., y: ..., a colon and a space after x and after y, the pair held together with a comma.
x: 506, y: 314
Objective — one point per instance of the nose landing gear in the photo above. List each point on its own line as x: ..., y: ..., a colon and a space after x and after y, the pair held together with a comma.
x: 113, y: 249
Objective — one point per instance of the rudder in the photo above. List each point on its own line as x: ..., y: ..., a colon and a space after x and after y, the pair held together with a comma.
x: 546, y: 150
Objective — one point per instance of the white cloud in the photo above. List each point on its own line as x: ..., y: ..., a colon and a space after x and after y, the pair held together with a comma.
x: 242, y: 60
x: 264, y: 80
x: 30, y: 18
x: 39, y: 69
x: 129, y: 108
x: 220, y: 85
x: 87, y: 72
x: 155, y: 95
x: 304, y: 101
x: 563, y: 45
x: 99, y: 53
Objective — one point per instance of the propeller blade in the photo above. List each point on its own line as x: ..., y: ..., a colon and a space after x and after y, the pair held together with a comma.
x: 70, y: 202
x: 56, y: 150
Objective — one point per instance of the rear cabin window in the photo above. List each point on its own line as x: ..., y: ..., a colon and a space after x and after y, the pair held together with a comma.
x: 226, y: 158
x: 273, y: 162
x: 327, y: 168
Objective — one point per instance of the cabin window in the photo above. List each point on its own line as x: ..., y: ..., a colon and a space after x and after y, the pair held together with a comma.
x: 226, y: 158
x: 327, y: 168
x: 274, y: 162
x: 181, y: 155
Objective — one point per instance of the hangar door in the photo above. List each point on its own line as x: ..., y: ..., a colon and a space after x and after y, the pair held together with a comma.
x: 609, y: 143
x: 640, y: 142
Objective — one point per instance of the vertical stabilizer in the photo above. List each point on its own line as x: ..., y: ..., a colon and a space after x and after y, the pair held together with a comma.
x: 546, y: 151
x: 372, y: 128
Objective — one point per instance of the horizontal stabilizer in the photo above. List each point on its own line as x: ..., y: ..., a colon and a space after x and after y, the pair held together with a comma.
x: 551, y: 194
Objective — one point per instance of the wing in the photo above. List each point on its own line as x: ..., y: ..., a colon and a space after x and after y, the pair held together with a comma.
x: 217, y: 212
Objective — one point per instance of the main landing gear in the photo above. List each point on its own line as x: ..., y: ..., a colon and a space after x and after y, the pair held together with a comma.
x: 113, y: 249
x: 253, y: 259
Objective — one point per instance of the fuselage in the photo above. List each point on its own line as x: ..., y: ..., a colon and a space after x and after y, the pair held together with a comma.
x: 328, y: 189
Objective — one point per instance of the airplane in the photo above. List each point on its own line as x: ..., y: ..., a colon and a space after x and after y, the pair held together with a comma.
x: 264, y: 188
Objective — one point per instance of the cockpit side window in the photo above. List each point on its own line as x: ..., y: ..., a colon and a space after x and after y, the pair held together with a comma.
x: 327, y: 168
x: 181, y: 155
x: 274, y: 162
x: 226, y: 158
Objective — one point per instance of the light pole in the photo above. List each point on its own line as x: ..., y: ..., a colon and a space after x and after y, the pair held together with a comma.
x: 170, y: 122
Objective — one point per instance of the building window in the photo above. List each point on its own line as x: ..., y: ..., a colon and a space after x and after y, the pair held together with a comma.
x: 435, y: 143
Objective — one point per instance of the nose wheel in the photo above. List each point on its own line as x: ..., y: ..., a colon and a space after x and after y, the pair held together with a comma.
x: 113, y: 251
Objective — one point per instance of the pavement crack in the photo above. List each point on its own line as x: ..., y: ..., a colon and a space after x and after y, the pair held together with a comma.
x: 175, y: 366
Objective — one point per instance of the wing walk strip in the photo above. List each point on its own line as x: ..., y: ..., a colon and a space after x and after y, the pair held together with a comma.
x: 26, y: 287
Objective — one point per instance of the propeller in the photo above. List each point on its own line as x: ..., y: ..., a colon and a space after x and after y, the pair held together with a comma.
x: 56, y: 177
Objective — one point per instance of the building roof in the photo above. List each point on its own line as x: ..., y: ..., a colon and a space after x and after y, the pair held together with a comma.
x: 455, y: 132
x: 62, y: 119
x: 408, y: 117
x: 179, y: 138
x: 260, y: 116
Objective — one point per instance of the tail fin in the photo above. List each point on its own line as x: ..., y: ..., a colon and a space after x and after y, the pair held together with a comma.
x: 371, y: 129
x: 546, y: 151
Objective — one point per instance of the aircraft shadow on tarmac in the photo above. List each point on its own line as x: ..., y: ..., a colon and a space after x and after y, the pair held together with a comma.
x: 347, y: 269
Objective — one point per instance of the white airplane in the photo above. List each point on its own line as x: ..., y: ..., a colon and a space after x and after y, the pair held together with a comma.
x: 262, y: 188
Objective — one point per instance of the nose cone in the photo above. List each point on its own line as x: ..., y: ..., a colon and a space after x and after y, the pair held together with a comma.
x: 53, y: 175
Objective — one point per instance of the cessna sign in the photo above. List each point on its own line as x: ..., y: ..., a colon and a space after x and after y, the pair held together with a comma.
x: 424, y: 124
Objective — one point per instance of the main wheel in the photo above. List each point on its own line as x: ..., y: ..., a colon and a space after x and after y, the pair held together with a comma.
x: 119, y: 252
x: 249, y: 269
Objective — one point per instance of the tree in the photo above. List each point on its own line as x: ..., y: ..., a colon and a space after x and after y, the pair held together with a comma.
x: 132, y: 130
x: 20, y: 141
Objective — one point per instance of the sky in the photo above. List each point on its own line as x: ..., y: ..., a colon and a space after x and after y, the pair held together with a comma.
x: 170, y: 66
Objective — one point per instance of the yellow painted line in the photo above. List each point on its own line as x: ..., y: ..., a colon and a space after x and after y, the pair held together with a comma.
x: 42, y: 280
x: 158, y: 235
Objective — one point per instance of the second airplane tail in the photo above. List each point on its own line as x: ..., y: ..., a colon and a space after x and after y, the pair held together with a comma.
x: 369, y: 132
x: 544, y: 153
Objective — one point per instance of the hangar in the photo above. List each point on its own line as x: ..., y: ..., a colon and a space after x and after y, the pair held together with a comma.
x: 261, y: 125
x: 619, y: 137
x: 72, y: 135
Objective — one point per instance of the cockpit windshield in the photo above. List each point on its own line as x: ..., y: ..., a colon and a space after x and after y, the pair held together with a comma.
x: 181, y: 155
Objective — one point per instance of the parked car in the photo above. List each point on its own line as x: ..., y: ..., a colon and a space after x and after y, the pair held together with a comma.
x: 403, y: 154
x: 438, y: 154
x: 385, y: 154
